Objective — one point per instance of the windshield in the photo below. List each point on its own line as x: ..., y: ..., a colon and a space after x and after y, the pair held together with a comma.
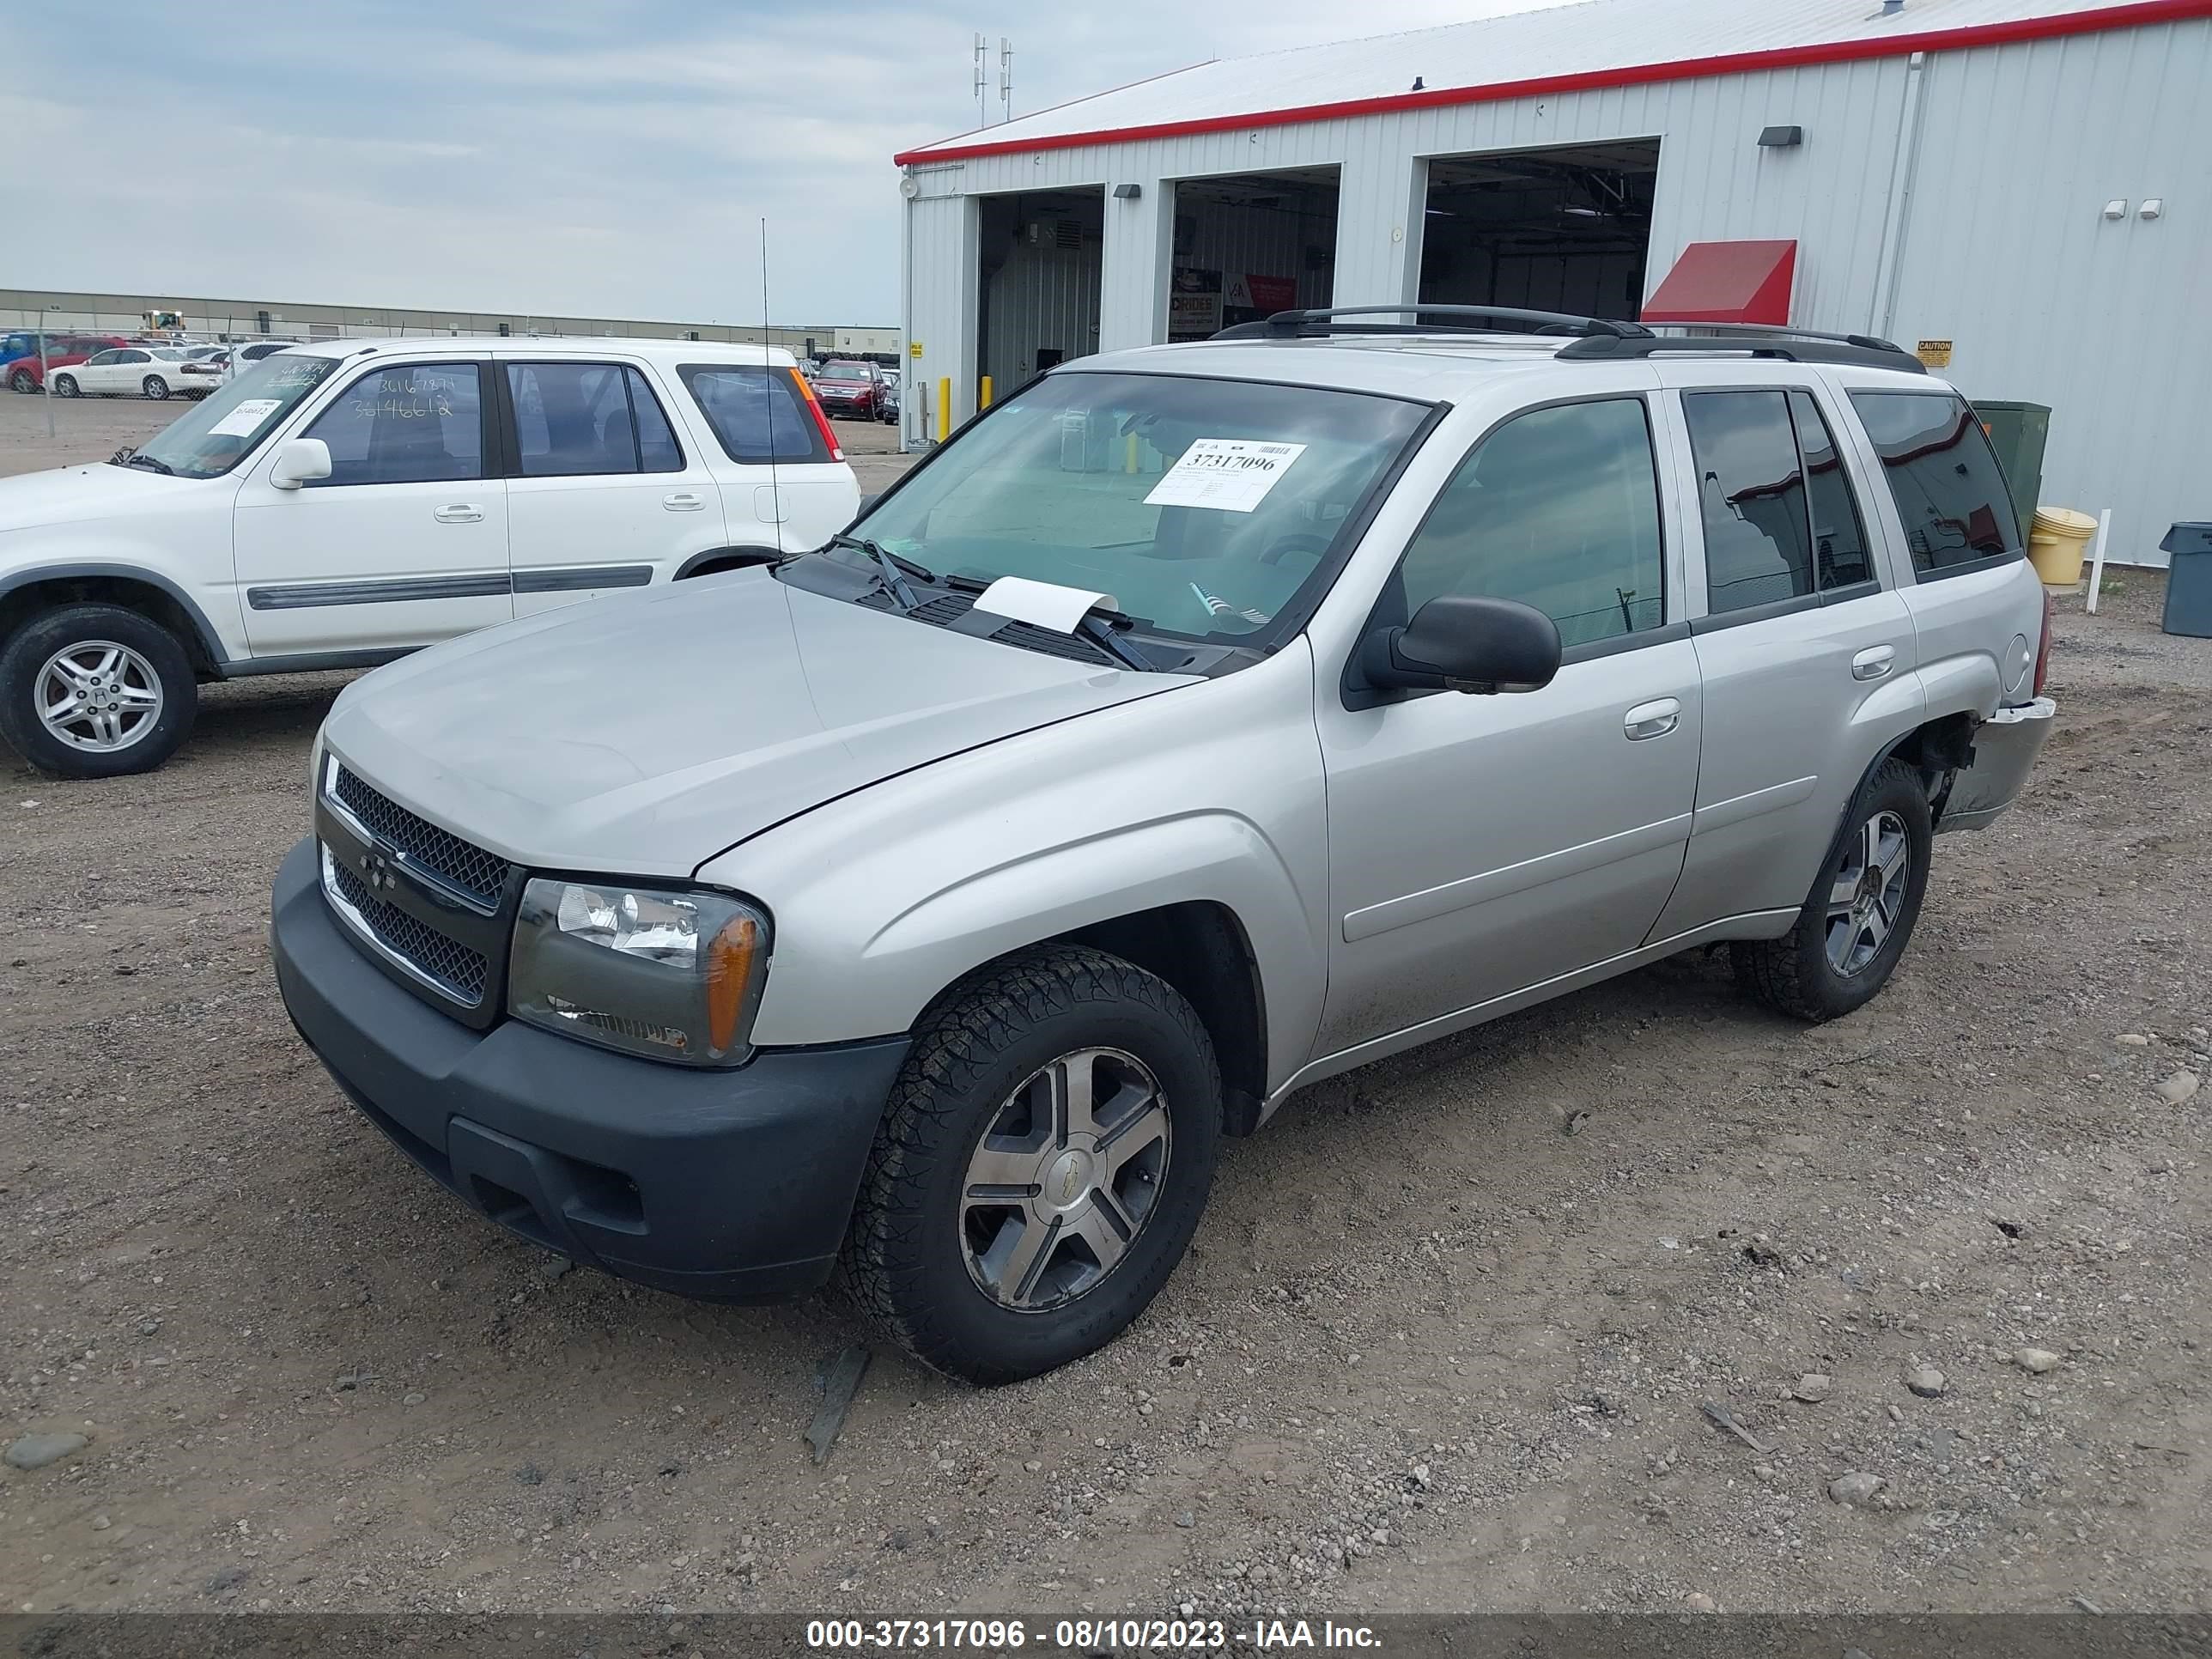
x: 842, y: 372
x: 1203, y: 508
x: 218, y: 432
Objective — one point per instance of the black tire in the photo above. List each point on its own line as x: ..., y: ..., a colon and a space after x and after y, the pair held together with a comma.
x: 65, y: 385
x: 906, y: 1258
x: 154, y: 387
x: 35, y: 643
x: 1800, y: 973
x: 20, y: 380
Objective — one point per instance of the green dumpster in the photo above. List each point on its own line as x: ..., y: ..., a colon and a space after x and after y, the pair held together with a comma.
x: 2017, y: 432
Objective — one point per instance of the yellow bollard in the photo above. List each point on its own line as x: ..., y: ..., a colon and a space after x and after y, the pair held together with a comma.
x: 944, y: 408
x: 983, y: 392
x: 1129, y: 453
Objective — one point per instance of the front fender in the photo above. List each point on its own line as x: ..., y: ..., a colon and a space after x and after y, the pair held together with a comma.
x: 1210, y: 793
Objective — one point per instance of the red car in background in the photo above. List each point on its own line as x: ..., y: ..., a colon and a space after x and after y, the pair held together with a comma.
x: 843, y: 387
x: 63, y: 351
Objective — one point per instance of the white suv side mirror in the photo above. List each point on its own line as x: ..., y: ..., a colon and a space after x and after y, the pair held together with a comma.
x: 299, y: 460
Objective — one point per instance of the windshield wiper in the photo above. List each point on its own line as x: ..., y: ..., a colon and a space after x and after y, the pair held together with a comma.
x: 893, y: 569
x: 161, y: 467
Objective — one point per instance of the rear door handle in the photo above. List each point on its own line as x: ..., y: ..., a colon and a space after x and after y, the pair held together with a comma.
x: 1654, y: 718
x: 1873, y: 662
x: 458, y: 513
x: 683, y: 500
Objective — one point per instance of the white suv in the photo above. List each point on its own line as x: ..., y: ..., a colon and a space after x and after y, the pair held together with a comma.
x: 338, y: 504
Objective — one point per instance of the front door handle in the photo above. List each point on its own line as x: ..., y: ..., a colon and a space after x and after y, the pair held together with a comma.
x: 683, y: 500
x: 1654, y: 718
x: 1873, y: 662
x: 458, y: 513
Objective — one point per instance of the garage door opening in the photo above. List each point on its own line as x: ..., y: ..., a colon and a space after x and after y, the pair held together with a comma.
x: 1247, y: 245
x: 1550, y: 230
x: 1040, y: 256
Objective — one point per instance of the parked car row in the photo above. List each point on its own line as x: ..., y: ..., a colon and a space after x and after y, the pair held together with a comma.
x: 854, y: 387
x: 106, y: 365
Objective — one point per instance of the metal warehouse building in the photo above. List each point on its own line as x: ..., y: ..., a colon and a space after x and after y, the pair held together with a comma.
x: 2022, y: 188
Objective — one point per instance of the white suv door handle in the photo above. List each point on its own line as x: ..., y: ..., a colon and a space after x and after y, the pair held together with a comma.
x: 458, y: 513
x: 683, y: 500
x: 1654, y: 718
x: 1873, y: 662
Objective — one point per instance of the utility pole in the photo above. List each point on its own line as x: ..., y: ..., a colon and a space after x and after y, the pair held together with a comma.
x: 1005, y: 78
x: 982, y: 117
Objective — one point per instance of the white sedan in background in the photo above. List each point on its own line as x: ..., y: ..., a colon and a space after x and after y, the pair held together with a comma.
x: 242, y: 356
x: 155, y: 372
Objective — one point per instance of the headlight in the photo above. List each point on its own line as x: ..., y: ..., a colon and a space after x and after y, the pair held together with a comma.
x: 667, y: 974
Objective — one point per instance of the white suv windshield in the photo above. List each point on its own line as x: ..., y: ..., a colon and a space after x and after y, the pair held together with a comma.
x: 215, y: 435
x: 1203, y: 508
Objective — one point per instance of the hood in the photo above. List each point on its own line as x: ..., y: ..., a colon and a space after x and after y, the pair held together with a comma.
x: 72, y: 494
x: 643, y: 734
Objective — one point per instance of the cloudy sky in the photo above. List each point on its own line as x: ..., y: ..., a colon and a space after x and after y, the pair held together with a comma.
x: 596, y: 157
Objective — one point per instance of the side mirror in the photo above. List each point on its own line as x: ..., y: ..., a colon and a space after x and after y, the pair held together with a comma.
x: 299, y: 460
x: 1461, y: 642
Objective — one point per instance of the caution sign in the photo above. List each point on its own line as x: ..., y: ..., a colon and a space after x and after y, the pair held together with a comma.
x: 1935, y: 354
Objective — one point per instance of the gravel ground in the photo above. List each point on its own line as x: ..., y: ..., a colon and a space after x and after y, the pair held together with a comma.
x: 1443, y: 1343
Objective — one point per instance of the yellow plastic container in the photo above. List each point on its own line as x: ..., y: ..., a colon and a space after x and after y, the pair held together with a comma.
x: 2057, y: 543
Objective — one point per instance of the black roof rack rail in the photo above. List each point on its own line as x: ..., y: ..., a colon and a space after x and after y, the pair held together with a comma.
x: 1796, y: 345
x: 1321, y: 322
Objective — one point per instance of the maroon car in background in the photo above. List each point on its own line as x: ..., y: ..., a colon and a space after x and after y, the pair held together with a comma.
x: 844, y: 386
x: 63, y: 351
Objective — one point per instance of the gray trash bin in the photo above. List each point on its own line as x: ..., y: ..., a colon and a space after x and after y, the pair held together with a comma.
x: 2188, y: 580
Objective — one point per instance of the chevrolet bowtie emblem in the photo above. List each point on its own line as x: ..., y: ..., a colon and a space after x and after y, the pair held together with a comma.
x: 377, y: 871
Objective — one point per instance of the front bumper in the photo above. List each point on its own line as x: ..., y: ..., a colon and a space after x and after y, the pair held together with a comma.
x: 2005, y: 748
x: 730, y: 1186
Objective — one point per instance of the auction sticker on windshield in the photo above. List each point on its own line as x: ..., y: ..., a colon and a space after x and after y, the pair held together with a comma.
x: 242, y: 421
x: 1230, y: 475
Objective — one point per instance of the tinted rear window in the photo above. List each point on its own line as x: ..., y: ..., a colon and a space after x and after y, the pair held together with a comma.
x: 1950, y: 492
x: 758, y: 414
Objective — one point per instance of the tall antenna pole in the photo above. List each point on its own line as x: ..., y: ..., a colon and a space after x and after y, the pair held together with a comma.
x: 982, y: 46
x: 768, y: 333
x: 1005, y: 79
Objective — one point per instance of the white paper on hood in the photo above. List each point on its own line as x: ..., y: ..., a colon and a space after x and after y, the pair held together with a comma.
x: 242, y: 421
x: 1046, y: 603
x: 1230, y: 475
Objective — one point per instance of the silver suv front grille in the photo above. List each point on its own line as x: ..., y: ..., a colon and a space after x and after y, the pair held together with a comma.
x: 449, y: 966
x: 472, y: 873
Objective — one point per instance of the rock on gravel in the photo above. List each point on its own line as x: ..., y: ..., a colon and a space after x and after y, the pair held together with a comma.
x: 1855, y: 1489
x: 1811, y: 1388
x: 35, y: 1451
x: 1926, y: 1382
x: 2179, y: 1087
x: 2038, y: 1360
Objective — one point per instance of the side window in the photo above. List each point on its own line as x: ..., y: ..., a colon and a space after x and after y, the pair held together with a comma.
x: 656, y: 448
x: 130, y: 357
x: 1559, y: 508
x: 1751, y: 493
x: 409, y: 423
x: 1839, y: 543
x: 1950, y: 490
x: 101, y: 359
x: 758, y: 414
x: 572, y: 419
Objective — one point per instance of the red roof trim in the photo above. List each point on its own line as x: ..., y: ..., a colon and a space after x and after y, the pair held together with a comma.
x: 2134, y: 16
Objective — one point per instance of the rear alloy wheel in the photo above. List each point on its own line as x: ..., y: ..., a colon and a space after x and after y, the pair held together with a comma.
x: 154, y: 387
x: 1859, y: 916
x: 65, y: 385
x: 1041, y: 1166
x: 95, y: 691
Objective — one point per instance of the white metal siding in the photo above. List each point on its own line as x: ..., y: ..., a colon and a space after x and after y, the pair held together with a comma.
x: 2000, y: 246
x: 2008, y: 255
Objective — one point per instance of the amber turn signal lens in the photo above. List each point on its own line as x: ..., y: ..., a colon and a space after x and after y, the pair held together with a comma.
x: 730, y: 957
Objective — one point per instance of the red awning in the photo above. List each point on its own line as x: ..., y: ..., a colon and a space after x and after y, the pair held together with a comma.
x: 1726, y: 283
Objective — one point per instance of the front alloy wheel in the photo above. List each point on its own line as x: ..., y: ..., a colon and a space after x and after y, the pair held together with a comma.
x: 1063, y: 1179
x: 1041, y: 1166
x: 98, y: 696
